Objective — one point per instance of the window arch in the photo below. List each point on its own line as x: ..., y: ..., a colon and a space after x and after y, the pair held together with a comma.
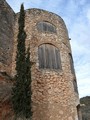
x: 49, y: 57
x: 46, y: 27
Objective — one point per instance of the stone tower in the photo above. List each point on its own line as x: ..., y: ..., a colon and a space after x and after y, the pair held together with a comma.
x: 54, y: 86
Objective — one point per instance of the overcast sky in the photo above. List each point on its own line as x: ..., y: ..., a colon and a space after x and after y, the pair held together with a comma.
x: 76, y: 14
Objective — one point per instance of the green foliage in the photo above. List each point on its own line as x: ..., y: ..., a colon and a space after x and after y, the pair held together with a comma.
x: 20, y: 58
x: 28, y: 84
x: 85, y: 107
x: 21, y: 91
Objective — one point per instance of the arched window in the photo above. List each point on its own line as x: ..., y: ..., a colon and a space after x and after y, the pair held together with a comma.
x: 49, y: 57
x: 46, y: 27
x: 71, y: 63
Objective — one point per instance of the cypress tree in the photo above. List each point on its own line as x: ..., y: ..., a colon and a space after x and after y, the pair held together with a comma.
x: 21, y: 92
x: 28, y: 84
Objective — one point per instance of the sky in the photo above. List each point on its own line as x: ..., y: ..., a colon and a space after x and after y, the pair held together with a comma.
x: 76, y: 14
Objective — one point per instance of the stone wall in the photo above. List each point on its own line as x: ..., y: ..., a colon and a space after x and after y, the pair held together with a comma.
x: 53, y: 95
x: 6, y: 35
x: 6, y: 112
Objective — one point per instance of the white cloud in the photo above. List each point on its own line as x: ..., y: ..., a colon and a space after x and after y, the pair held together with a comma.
x: 82, y: 2
x: 88, y: 15
x: 80, y: 42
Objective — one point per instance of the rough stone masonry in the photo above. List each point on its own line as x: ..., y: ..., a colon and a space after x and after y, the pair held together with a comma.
x: 54, y: 86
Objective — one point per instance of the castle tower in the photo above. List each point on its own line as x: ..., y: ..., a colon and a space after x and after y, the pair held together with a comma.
x: 54, y: 87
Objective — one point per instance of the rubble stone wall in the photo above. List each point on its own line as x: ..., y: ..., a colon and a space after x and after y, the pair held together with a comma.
x: 7, y: 16
x: 53, y: 95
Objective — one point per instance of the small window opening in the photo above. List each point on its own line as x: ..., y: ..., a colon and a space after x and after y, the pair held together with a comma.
x: 46, y: 27
x: 75, y: 85
x: 79, y: 112
x: 71, y: 64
